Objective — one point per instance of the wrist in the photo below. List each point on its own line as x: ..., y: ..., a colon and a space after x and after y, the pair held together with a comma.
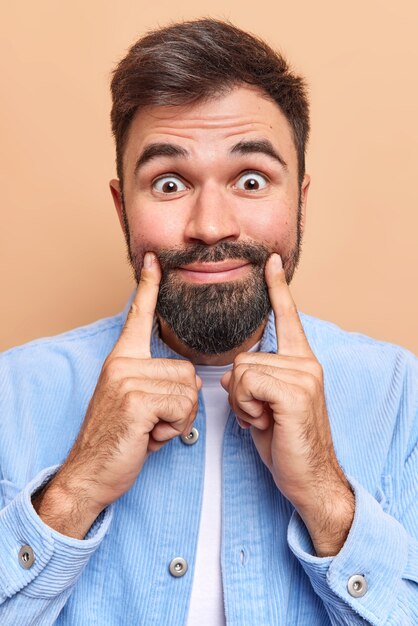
x: 329, y: 519
x: 67, y: 510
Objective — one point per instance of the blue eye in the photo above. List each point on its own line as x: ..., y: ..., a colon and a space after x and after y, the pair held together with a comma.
x: 168, y: 184
x: 251, y: 181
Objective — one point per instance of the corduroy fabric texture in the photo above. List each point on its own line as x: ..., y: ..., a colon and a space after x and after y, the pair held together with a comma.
x: 119, y: 575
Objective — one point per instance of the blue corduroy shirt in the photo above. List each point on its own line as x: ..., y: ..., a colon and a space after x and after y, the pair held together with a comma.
x: 119, y: 574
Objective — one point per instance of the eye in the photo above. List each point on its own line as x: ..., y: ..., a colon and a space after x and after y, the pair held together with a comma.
x: 168, y: 184
x: 251, y: 181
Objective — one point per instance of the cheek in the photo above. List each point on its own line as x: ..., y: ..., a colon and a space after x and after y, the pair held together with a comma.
x: 153, y: 231
x: 273, y: 224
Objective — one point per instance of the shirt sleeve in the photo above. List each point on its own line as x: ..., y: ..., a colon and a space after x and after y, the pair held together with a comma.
x: 379, y: 551
x: 39, y: 566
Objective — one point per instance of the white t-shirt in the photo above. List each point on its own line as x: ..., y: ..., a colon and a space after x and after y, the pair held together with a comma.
x: 206, y: 602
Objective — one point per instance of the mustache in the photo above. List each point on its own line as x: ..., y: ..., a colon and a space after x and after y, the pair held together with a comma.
x: 200, y: 253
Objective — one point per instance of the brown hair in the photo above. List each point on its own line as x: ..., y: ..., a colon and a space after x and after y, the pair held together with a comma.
x: 192, y: 61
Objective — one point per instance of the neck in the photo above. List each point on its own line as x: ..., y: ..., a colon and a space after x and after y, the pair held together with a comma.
x: 173, y: 342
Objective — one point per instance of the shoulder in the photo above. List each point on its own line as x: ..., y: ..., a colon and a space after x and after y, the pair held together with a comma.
x: 95, y: 338
x: 45, y: 388
x: 372, y: 394
x: 362, y: 365
x: 379, y: 375
x: 332, y: 341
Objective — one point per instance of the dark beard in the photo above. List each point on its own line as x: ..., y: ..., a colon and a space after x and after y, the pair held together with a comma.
x: 217, y: 317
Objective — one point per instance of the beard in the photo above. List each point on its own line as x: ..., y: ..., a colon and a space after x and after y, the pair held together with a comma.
x: 214, y: 318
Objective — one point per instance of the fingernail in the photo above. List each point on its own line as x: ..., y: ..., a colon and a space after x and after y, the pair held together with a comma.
x: 277, y: 262
x: 148, y: 259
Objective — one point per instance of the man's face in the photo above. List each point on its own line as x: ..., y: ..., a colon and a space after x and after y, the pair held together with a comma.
x: 213, y: 190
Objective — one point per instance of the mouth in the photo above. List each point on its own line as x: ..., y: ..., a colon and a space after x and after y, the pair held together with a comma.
x: 222, y: 271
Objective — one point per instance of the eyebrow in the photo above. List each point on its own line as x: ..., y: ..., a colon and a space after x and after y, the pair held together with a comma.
x: 249, y: 146
x: 261, y: 146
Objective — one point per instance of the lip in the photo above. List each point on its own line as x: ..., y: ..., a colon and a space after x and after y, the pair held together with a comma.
x: 214, y: 272
x: 219, y: 266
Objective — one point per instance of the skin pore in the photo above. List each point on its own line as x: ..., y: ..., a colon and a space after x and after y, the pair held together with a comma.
x: 202, y: 183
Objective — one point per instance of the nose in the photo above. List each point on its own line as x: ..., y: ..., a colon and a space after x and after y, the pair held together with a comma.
x: 212, y: 218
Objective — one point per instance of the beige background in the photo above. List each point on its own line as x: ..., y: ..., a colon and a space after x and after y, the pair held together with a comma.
x: 62, y: 253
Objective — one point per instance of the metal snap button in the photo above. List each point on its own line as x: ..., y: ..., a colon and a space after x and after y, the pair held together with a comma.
x: 26, y: 557
x: 191, y: 438
x: 357, y: 586
x: 178, y: 567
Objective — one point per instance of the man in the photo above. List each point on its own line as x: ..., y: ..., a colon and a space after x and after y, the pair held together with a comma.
x: 209, y: 456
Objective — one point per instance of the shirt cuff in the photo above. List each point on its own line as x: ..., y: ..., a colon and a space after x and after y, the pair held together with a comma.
x: 58, y: 560
x: 376, y: 549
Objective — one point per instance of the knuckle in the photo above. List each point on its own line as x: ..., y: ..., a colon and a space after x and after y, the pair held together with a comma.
x: 179, y: 389
x: 173, y: 404
x: 137, y: 312
x: 188, y: 369
x: 194, y: 396
x: 288, y: 310
x: 239, y: 359
x: 238, y: 372
x: 305, y: 396
x: 318, y: 370
x: 311, y: 385
x: 144, y: 312
x: 174, y: 388
x: 186, y: 404
x: 170, y: 368
x: 131, y: 400
x: 241, y: 368
x: 132, y: 316
x: 159, y: 402
x: 113, y: 368
x: 248, y: 376
x: 147, y: 278
x: 125, y: 386
x: 134, y: 310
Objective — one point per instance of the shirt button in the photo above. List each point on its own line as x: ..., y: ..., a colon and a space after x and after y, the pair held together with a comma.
x: 178, y: 567
x: 191, y: 438
x: 26, y: 556
x: 357, y: 586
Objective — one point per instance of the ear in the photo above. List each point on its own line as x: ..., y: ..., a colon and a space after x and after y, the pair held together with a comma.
x: 304, y: 200
x: 117, y: 199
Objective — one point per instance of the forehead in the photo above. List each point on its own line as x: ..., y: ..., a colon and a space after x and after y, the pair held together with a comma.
x: 210, y: 128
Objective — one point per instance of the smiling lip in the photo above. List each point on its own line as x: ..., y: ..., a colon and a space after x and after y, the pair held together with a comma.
x: 214, y: 272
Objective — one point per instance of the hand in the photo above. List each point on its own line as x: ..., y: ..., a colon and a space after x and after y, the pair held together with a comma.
x: 139, y: 404
x: 281, y: 397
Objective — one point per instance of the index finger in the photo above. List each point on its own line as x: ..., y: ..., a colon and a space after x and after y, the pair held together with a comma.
x: 291, y: 338
x: 135, y: 338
